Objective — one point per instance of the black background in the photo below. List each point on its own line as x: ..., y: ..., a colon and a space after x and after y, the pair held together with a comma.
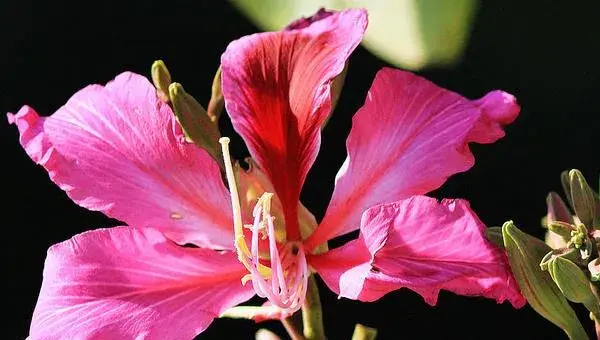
x: 545, y: 53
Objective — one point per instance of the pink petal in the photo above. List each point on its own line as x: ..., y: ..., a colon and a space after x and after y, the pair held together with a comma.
x: 407, y: 139
x: 276, y: 87
x: 424, y: 245
x: 126, y: 283
x: 118, y: 149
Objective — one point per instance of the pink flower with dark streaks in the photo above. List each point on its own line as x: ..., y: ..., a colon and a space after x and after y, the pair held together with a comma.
x: 118, y: 149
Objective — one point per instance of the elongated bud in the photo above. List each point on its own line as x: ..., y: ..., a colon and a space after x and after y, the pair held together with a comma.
x: 582, y: 197
x: 566, y: 185
x: 217, y: 102
x: 494, y: 235
x: 557, y: 209
x: 362, y: 332
x: 573, y: 283
x: 195, y: 122
x: 525, y: 253
x: 161, y: 79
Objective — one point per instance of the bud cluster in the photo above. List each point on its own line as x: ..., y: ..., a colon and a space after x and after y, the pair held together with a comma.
x: 566, y: 267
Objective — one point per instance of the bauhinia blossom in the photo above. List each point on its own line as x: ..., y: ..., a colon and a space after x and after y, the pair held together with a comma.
x: 118, y: 149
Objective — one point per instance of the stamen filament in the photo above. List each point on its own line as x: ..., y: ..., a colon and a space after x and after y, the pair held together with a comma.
x: 284, y: 280
x: 238, y: 226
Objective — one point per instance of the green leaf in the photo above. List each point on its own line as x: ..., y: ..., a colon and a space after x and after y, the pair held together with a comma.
x: 525, y: 253
x: 411, y: 34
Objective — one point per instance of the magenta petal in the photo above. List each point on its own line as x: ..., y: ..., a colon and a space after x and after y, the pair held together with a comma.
x: 129, y: 283
x: 407, y: 139
x: 276, y: 87
x: 117, y: 149
x: 424, y: 245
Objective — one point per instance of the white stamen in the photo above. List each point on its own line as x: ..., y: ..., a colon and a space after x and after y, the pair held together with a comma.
x: 280, y: 283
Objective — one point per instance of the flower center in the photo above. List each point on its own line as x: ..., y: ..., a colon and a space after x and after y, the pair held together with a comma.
x: 280, y: 273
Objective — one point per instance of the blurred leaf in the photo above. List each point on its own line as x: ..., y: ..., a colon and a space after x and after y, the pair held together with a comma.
x: 411, y: 34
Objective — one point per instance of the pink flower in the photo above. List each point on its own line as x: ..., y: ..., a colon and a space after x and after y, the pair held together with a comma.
x: 118, y: 149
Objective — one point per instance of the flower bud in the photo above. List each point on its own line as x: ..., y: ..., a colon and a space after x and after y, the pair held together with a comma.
x: 217, y: 102
x: 362, y: 332
x: 525, y: 253
x: 557, y: 209
x: 562, y: 229
x: 573, y: 283
x: 161, y: 79
x: 494, y: 235
x: 194, y: 121
x: 582, y: 198
x: 571, y: 254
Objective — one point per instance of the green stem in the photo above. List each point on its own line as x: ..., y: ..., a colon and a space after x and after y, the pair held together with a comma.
x: 292, y: 329
x: 312, y: 315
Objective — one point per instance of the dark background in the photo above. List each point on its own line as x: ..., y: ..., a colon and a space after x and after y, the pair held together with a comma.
x: 545, y: 54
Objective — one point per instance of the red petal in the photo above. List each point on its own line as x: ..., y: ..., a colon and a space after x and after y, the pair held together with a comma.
x: 276, y: 87
x: 117, y: 149
x: 407, y: 139
x: 127, y: 283
x: 423, y: 245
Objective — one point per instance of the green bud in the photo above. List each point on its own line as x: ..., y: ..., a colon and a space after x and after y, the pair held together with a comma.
x: 494, y: 235
x: 582, y: 197
x: 362, y: 332
x: 161, y: 79
x: 566, y: 185
x: 562, y: 229
x: 525, y: 253
x: 571, y: 254
x: 573, y: 283
x: 217, y: 102
x: 194, y: 121
x: 557, y: 209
